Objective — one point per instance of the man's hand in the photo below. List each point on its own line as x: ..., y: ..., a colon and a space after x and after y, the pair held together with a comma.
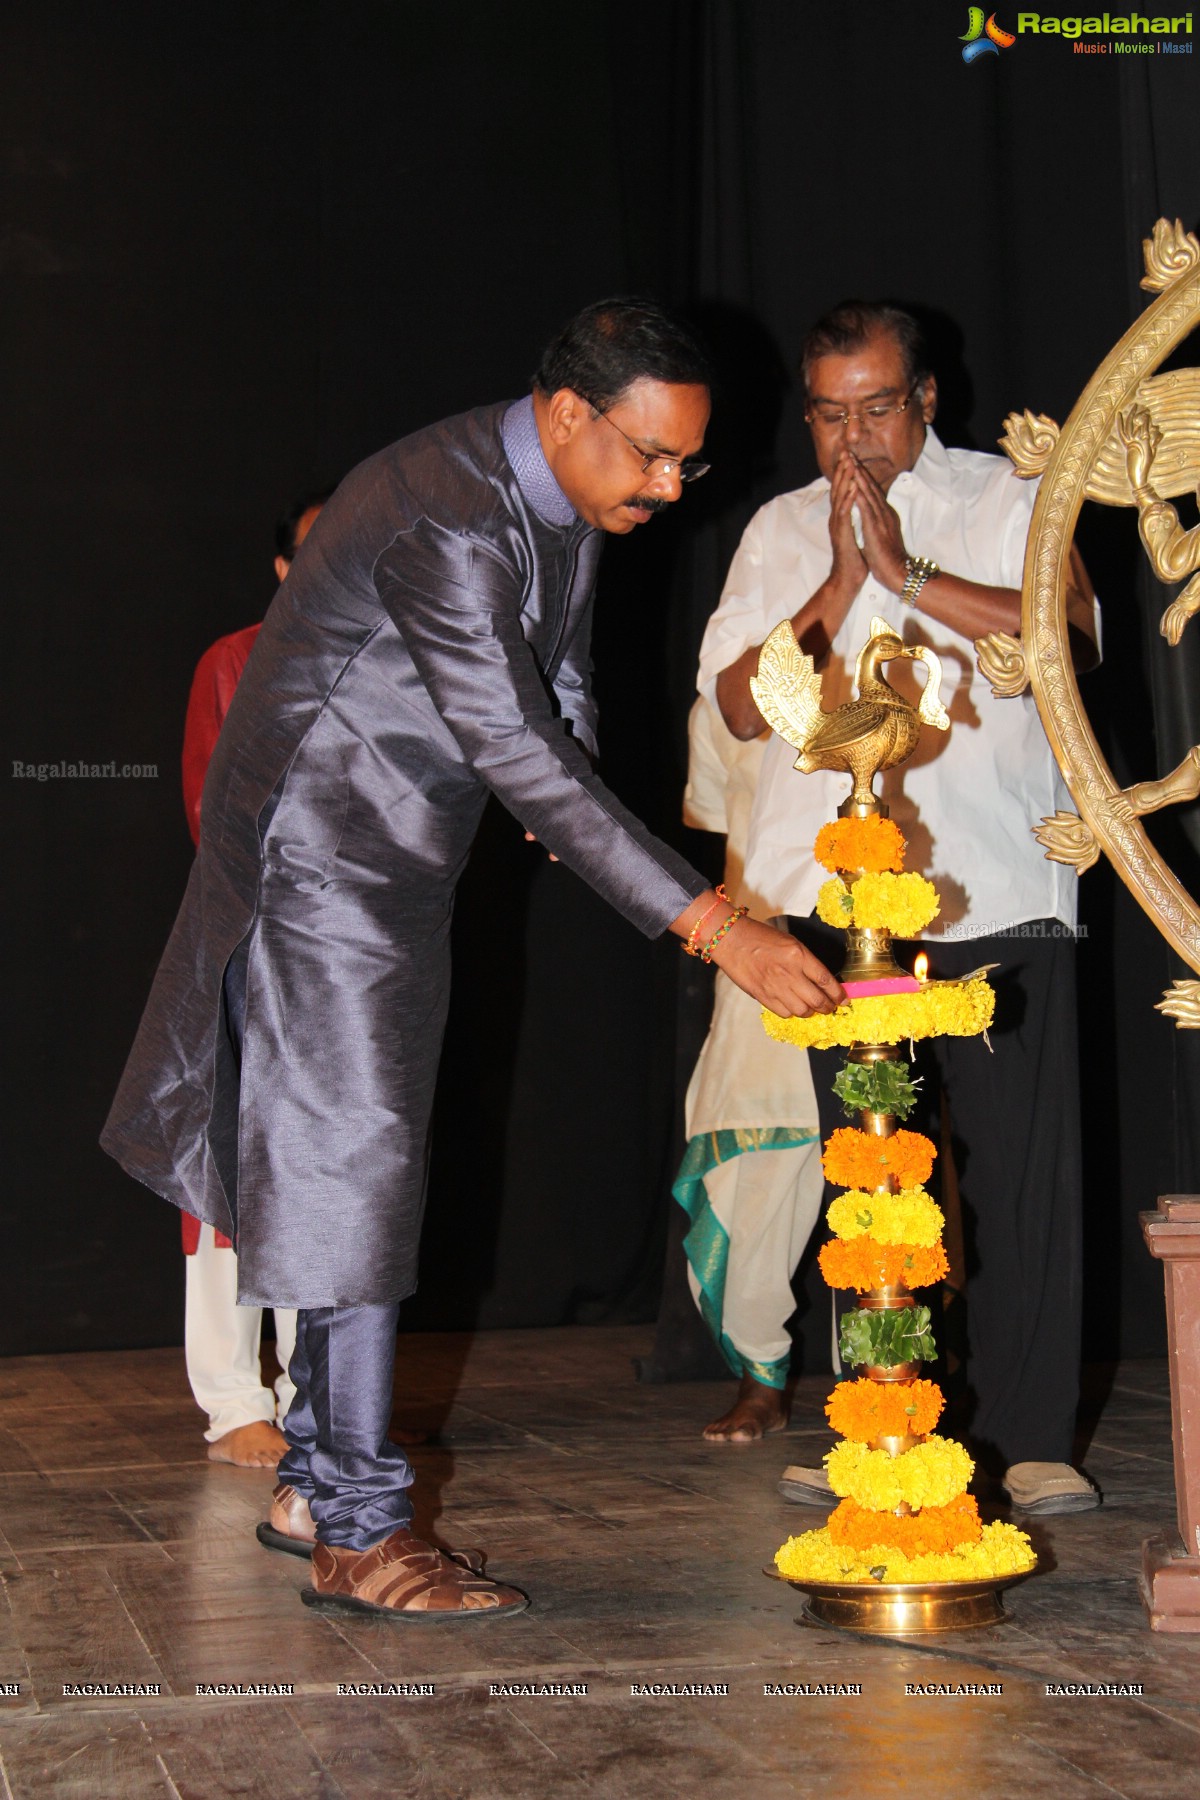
x: 767, y: 964
x: 531, y: 839
x: 972, y: 608
x: 817, y: 621
x: 883, y: 539
x: 777, y: 971
x: 849, y: 569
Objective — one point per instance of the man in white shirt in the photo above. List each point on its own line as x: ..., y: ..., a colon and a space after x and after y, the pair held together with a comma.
x: 897, y: 524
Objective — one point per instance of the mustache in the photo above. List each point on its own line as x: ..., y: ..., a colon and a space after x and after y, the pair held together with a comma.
x: 648, y: 503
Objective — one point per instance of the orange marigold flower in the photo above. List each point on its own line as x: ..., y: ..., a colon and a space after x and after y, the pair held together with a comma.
x: 933, y: 1529
x: 873, y: 844
x: 862, y: 1263
x: 864, y: 1410
x: 855, y: 1159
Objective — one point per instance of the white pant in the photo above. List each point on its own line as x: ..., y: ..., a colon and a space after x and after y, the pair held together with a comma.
x: 221, y: 1341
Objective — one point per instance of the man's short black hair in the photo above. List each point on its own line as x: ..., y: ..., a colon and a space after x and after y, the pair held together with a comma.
x: 287, y: 526
x: 851, y: 325
x: 611, y: 344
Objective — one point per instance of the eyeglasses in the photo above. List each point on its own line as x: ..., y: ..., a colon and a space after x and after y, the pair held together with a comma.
x: 688, y: 468
x: 836, y: 418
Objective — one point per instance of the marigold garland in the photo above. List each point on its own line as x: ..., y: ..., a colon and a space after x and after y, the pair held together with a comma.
x: 885, y: 1239
x: 873, y: 843
x: 901, y: 904
x: 1002, y: 1550
x: 864, y: 1410
x: 863, y: 1264
x: 835, y: 904
x: 932, y: 1531
x: 909, y: 1217
x: 855, y: 1159
x: 939, y: 1009
x: 930, y: 1474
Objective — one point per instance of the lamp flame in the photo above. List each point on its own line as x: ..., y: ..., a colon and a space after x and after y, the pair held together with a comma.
x: 921, y: 966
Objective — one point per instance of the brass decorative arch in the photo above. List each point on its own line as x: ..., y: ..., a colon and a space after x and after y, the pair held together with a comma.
x: 1133, y: 438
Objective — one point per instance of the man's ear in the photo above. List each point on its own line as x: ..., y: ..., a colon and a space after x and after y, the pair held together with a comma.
x: 282, y: 565
x: 929, y: 399
x: 566, y: 412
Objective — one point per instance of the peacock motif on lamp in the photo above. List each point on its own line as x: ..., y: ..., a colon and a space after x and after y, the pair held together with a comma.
x: 878, y: 730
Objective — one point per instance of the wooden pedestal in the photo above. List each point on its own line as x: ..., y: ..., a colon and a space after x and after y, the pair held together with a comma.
x: 1170, y: 1577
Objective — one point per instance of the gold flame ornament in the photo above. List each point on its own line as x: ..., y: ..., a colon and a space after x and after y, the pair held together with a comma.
x: 877, y: 731
x: 1133, y: 440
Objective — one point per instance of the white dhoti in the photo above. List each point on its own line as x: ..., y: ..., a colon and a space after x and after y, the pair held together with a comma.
x: 751, y: 1183
x: 751, y: 1179
x: 221, y: 1345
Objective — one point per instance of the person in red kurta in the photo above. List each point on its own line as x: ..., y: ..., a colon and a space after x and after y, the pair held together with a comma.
x: 221, y: 1338
x: 217, y: 675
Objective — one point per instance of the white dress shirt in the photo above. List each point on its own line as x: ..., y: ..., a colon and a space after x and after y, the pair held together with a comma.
x: 968, y: 798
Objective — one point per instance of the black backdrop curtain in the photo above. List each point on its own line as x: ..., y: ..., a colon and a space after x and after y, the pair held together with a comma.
x: 246, y: 244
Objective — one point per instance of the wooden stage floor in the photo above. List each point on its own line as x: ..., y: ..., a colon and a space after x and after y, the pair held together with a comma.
x: 128, y: 1558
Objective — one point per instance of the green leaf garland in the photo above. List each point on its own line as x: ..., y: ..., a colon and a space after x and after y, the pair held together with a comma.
x: 881, y: 1087
x: 900, y: 1335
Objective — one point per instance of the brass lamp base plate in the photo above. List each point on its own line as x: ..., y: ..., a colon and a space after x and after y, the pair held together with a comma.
x: 901, y: 1608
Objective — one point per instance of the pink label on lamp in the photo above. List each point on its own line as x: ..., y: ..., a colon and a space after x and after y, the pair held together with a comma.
x: 892, y: 984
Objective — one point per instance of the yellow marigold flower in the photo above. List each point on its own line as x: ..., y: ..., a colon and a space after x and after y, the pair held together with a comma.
x: 909, y: 1217
x: 930, y: 1474
x: 901, y: 904
x: 812, y: 1557
x: 834, y: 904
x: 957, y: 1009
x: 1001, y: 1551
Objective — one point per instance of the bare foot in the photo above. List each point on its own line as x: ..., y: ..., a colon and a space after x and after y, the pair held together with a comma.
x: 257, y: 1446
x: 756, y: 1413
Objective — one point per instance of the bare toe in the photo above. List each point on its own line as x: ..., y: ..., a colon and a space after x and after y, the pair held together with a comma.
x: 256, y: 1446
x: 757, y: 1413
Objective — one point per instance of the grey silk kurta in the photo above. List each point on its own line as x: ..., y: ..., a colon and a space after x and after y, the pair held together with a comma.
x: 430, y: 644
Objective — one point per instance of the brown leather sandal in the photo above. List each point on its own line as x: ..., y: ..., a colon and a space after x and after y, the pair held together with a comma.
x: 406, y: 1578
x: 289, y: 1525
x: 290, y: 1528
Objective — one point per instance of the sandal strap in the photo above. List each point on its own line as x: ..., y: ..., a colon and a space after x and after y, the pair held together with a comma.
x: 404, y: 1574
x: 290, y: 1514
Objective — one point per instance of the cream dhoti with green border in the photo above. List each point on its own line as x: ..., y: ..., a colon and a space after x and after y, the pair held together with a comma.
x: 751, y: 1184
x: 750, y: 1180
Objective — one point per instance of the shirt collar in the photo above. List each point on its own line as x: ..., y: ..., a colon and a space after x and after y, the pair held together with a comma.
x: 932, y: 468
x: 523, y: 447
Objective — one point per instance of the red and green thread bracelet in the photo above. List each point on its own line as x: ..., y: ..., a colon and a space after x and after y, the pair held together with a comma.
x: 739, y: 912
x: 693, y: 938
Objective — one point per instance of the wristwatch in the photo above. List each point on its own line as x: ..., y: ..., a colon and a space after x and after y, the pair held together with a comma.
x: 918, y: 570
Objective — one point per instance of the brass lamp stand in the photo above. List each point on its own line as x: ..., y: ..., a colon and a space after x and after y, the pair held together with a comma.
x: 878, y: 730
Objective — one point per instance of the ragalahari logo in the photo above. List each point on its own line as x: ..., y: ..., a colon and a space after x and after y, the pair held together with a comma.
x: 984, y: 38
